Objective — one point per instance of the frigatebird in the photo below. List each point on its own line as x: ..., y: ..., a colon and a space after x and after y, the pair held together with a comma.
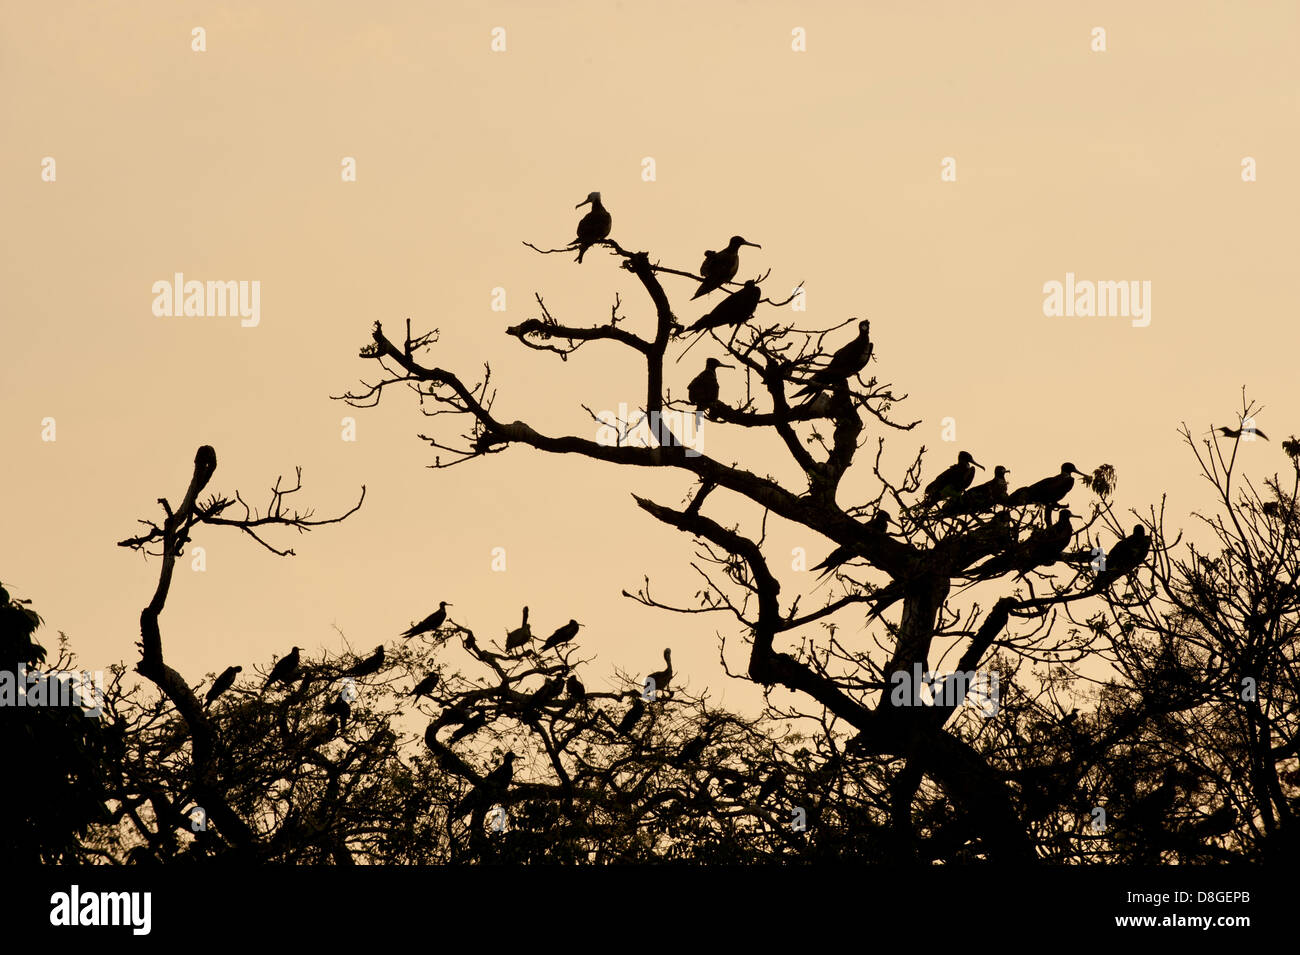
x: 371, y: 664
x: 1047, y: 492
x: 563, y: 635
x: 844, y: 364
x: 594, y: 226
x: 491, y: 787
x: 952, y: 480
x: 520, y: 637
x: 1125, y: 557
x: 721, y: 267
x: 704, y: 389
x: 982, y: 497
x: 284, y: 669
x: 431, y: 622
x: 425, y: 686
x: 222, y: 683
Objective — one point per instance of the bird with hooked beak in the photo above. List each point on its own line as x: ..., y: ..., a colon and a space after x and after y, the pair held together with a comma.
x: 721, y: 267
x: 594, y: 226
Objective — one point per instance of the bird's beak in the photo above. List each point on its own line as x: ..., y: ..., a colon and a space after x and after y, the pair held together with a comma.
x: 1080, y: 473
x: 582, y: 203
x: 754, y: 244
x: 978, y: 465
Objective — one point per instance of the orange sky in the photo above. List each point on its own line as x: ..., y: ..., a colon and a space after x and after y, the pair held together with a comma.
x: 225, y: 165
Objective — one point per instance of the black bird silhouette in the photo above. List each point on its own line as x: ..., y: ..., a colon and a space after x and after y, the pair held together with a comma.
x: 340, y: 709
x: 735, y: 309
x: 425, y: 686
x: 492, y: 787
x: 371, y: 664
x: 844, y: 364
x: 660, y: 679
x: 575, y: 689
x: 563, y: 635
x: 222, y: 683
x: 631, y: 716
x: 982, y: 497
x: 284, y: 669
x: 594, y: 226
x: 841, y: 555
x: 703, y: 390
x: 431, y: 622
x: 691, y: 751
x: 1042, y: 548
x: 1125, y: 557
x: 952, y: 480
x: 1238, y: 432
x: 1047, y: 492
x: 520, y: 637
x: 551, y: 689
x: 721, y: 267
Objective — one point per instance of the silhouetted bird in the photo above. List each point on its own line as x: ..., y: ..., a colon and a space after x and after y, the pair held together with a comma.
x: 631, y: 716
x: 735, y: 309
x: 431, y: 622
x: 284, y: 669
x: 563, y: 635
x: 575, y: 689
x: 520, y: 637
x: 1048, y: 491
x: 982, y: 497
x: 222, y: 683
x: 691, y: 751
x: 1125, y: 557
x: 492, y: 787
x: 662, y: 677
x: 841, y: 555
x: 1042, y: 548
x: 340, y: 709
x: 594, y: 226
x: 549, y: 691
x: 952, y: 480
x: 720, y: 267
x: 425, y: 686
x: 371, y: 664
x: 703, y: 390
x: 1238, y: 432
x: 844, y: 364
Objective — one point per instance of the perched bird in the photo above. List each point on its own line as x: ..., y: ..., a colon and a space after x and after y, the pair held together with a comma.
x: 703, y: 390
x: 631, y: 716
x: 490, y: 788
x: 844, y: 364
x: 1238, y: 432
x: 952, y: 480
x: 575, y: 689
x: 340, y: 709
x: 1047, y: 492
x: 841, y: 555
x: 431, y: 622
x: 721, y: 267
x: 425, y: 686
x: 371, y: 664
x: 1042, y: 548
x: 660, y: 679
x: 284, y: 669
x: 982, y: 497
x: 594, y: 226
x: 551, y: 689
x: 563, y: 635
x: 222, y: 683
x: 735, y: 309
x: 1125, y: 557
x: 520, y: 637
x: 691, y: 751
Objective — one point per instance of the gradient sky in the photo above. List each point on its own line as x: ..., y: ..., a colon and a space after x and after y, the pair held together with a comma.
x: 225, y: 165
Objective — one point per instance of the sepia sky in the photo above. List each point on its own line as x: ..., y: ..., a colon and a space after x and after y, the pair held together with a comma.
x: 1122, y: 165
